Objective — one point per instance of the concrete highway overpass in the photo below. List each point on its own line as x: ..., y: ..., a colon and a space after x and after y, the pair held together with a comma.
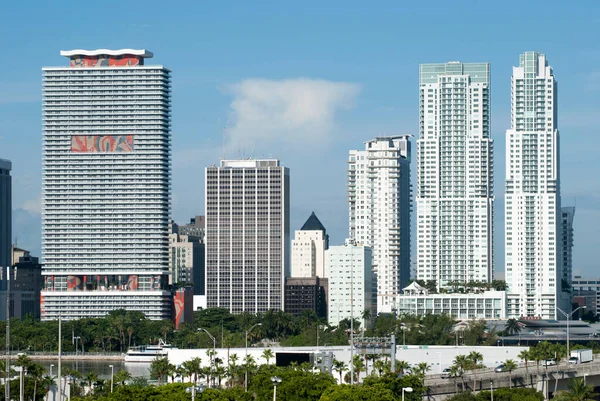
x: 549, y: 380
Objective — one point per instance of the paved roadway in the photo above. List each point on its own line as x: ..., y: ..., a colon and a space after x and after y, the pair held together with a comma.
x: 564, y: 370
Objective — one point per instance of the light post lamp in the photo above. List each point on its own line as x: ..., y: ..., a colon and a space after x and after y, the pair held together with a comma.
x: 76, y: 352
x: 214, y: 340
x: 276, y: 380
x: 568, y: 316
x: 112, y: 376
x: 246, y: 374
x: 195, y: 389
x: 407, y: 389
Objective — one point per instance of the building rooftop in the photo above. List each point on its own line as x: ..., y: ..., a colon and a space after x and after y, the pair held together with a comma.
x: 106, y: 52
x: 313, y: 224
x: 5, y: 164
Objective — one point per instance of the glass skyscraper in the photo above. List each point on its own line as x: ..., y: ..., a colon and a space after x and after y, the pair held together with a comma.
x: 106, y: 185
x: 455, y: 179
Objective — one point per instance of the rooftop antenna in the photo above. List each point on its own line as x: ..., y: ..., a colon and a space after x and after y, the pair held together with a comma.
x: 223, y: 141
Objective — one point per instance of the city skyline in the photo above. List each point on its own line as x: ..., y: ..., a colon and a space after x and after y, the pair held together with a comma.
x: 198, y: 137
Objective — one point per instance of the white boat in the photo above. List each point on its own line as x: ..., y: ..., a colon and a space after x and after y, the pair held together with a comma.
x: 148, y: 353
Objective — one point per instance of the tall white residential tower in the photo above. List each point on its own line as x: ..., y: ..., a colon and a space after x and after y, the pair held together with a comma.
x: 379, y: 195
x: 247, y: 235
x: 533, y: 235
x: 455, y: 179
x: 106, y: 185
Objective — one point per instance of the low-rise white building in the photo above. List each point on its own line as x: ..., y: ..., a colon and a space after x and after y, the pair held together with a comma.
x: 416, y: 300
x: 349, y: 267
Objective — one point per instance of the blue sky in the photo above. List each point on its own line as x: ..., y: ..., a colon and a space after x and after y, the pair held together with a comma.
x: 305, y: 82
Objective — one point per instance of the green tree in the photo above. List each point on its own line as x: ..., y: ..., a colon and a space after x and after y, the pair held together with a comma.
x: 359, y: 365
x: 340, y: 367
x: 357, y: 393
x: 512, y: 327
x: 462, y: 396
x: 91, y: 378
x: 462, y: 363
x: 268, y: 355
x: 509, y: 366
x: 161, y: 368
x: 122, y: 376
x: 36, y: 372
x: 525, y: 355
x: 475, y: 357
x: 402, y: 367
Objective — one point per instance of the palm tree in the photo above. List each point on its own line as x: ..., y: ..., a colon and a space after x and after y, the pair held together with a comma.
x: 188, y: 368
x: 196, y: 365
x: 422, y: 369
x: 454, y: 373
x: 379, y: 365
x: 122, y: 376
x: 160, y: 367
x: 580, y: 391
x: 475, y: 357
x: 359, y: 364
x: 47, y: 382
x: 525, y: 355
x: 512, y: 327
x: 462, y: 363
x: 90, y: 378
x: 233, y: 358
x: 36, y: 371
x: 267, y: 355
x: 340, y: 367
x: 402, y: 366
x: 509, y: 366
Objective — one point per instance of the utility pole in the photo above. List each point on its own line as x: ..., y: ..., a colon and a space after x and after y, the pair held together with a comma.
x: 7, y: 372
x: 60, y: 395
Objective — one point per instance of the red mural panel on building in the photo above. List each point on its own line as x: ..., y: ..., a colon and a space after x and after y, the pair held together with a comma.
x: 126, y: 60
x: 102, y: 143
x: 179, y: 304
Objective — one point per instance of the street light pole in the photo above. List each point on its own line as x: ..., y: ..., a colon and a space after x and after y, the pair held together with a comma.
x: 214, y: 340
x: 51, y: 366
x: 351, y: 243
x: 568, y: 316
x: 492, y: 390
x: 112, y: 376
x: 276, y: 380
x: 407, y: 389
x: 246, y: 374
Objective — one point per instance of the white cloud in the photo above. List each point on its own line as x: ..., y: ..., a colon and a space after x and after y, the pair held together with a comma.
x: 291, y: 112
x: 32, y: 206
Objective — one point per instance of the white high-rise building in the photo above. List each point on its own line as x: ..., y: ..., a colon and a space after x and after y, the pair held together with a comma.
x: 350, y: 275
x: 533, y: 235
x: 308, y: 249
x: 247, y: 235
x: 455, y: 191
x: 379, y: 195
x: 106, y: 185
